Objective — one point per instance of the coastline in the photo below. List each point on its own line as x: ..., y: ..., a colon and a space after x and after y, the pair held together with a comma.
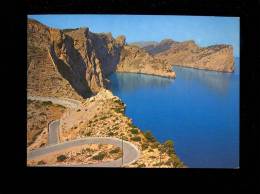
x: 171, y: 76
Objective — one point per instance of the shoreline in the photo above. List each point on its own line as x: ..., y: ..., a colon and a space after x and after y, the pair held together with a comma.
x: 151, y: 74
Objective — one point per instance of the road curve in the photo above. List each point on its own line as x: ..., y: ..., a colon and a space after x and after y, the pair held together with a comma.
x: 130, y: 151
x: 53, y: 134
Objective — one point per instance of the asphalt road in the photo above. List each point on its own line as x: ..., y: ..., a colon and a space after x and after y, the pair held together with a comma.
x: 130, y: 151
x: 53, y: 135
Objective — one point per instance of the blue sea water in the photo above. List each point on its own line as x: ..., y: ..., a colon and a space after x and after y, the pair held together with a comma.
x: 199, y: 111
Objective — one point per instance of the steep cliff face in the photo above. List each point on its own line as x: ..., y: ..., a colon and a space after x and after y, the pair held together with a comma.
x: 137, y: 60
x: 43, y: 77
x: 76, y: 62
x: 70, y: 63
x: 188, y: 54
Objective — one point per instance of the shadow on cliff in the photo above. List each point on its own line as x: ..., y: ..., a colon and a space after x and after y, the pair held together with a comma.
x: 73, y: 73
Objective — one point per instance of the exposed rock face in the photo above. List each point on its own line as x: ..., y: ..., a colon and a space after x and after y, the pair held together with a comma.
x: 136, y: 60
x: 188, y: 54
x: 75, y: 63
x: 43, y: 78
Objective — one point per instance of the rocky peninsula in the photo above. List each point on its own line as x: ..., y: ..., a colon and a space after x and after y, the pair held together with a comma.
x: 189, y: 54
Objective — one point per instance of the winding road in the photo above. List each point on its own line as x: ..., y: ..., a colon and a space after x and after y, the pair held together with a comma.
x: 130, y: 151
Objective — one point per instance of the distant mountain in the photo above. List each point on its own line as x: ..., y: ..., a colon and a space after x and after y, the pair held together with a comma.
x: 189, y: 54
x: 143, y: 43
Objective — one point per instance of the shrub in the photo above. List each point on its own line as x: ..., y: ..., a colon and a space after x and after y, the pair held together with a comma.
x: 141, y: 165
x: 41, y: 162
x: 110, y: 133
x: 59, y: 106
x: 46, y: 103
x: 155, y: 145
x: 119, y: 110
x: 136, y: 138
x: 145, y: 146
x: 99, y: 156
x: 114, y: 151
x: 88, y: 133
x: 132, y: 125
x: 149, y: 136
x: 168, y: 146
x: 134, y: 131
x: 61, y: 158
x: 102, y: 118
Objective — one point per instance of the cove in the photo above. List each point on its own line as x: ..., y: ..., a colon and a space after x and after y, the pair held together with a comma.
x: 199, y: 111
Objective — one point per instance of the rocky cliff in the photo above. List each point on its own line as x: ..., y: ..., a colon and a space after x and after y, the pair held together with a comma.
x: 137, y: 60
x: 188, y: 54
x: 75, y: 63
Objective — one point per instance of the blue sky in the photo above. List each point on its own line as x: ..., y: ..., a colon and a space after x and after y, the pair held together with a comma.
x: 204, y: 30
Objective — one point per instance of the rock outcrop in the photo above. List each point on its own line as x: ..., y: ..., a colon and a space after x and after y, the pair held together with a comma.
x: 188, y: 54
x: 136, y: 60
x: 76, y: 63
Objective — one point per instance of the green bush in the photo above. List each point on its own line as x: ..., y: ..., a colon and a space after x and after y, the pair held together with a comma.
x: 110, y: 133
x: 88, y: 133
x: 136, y: 138
x: 61, y: 158
x: 99, y: 156
x: 145, y: 146
x: 168, y: 146
x: 46, y: 103
x: 149, y: 136
x: 134, y: 131
x: 114, y: 151
x: 119, y: 110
